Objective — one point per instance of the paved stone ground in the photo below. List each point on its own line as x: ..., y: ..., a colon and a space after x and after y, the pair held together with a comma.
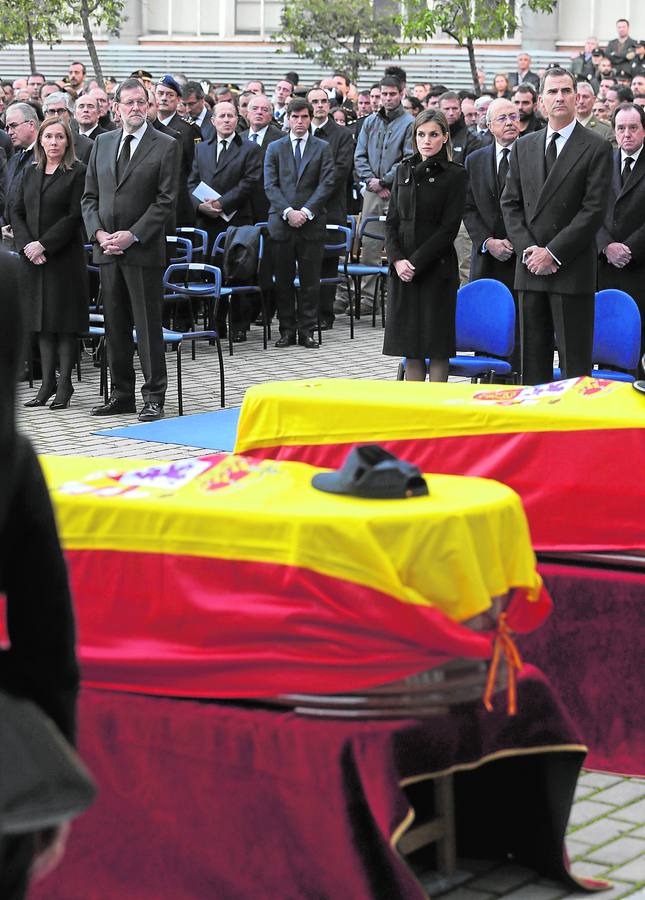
x: 607, y: 828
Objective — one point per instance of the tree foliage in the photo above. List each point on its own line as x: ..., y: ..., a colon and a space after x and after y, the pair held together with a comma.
x: 27, y: 22
x: 340, y: 34
x: 86, y: 13
x: 467, y: 21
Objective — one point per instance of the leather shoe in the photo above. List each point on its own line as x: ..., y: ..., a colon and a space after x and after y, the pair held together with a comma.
x: 306, y: 340
x: 238, y: 337
x: 151, y: 412
x: 326, y: 324
x: 115, y: 407
x: 287, y: 340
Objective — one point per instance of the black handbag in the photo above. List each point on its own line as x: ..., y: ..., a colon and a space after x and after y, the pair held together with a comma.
x: 43, y: 782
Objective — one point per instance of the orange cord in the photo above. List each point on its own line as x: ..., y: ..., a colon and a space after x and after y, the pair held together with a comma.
x: 504, y: 644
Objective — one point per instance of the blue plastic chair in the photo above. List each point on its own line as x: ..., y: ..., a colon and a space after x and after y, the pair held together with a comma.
x: 177, y: 284
x: 198, y: 239
x: 616, y: 336
x: 485, y: 324
x: 357, y: 270
x: 338, y: 243
x: 230, y: 291
x: 178, y: 249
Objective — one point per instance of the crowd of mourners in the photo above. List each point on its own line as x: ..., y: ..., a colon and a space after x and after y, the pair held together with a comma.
x: 449, y: 178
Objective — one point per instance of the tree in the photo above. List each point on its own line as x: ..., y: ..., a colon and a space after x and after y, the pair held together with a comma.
x: 340, y: 34
x: 467, y: 21
x: 29, y: 21
x: 108, y: 13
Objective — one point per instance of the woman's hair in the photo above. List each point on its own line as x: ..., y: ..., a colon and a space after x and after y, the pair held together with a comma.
x: 39, y: 154
x: 505, y: 77
x: 415, y: 103
x: 432, y: 115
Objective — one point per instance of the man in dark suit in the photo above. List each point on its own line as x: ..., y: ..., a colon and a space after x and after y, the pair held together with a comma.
x: 262, y: 132
x: 198, y: 110
x: 493, y: 255
x: 61, y: 105
x: 298, y: 179
x: 232, y: 167
x: 621, y: 240
x: 341, y: 144
x: 86, y: 113
x: 525, y: 99
x: 553, y: 204
x: 524, y: 74
x: 130, y: 191
x: 168, y: 92
x: 22, y: 126
x: 105, y: 120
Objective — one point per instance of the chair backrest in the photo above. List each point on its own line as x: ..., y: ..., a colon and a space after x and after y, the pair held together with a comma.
x: 617, y: 330
x: 197, y: 237
x: 178, y: 249
x: 218, y: 250
x: 485, y: 317
x: 367, y: 230
x: 338, y: 240
x: 178, y: 274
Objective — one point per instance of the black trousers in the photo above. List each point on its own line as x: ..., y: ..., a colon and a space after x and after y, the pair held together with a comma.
x: 133, y: 295
x: 308, y: 254
x: 568, y: 318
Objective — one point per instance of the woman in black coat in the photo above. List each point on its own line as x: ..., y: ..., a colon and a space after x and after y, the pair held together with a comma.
x: 425, y: 210
x: 40, y: 661
x: 47, y: 227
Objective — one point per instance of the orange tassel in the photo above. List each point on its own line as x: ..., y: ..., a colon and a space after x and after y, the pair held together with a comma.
x: 504, y: 644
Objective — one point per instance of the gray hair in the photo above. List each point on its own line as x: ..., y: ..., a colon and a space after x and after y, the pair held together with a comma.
x: 479, y: 102
x: 29, y: 114
x: 495, y: 105
x: 59, y: 97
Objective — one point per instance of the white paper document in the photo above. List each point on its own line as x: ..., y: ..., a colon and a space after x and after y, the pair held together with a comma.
x: 204, y: 192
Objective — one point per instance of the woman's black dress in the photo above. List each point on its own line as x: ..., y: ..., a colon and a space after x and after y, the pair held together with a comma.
x: 423, y: 219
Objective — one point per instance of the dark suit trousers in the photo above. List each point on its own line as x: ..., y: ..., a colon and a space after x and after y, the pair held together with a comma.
x: 308, y: 255
x: 133, y: 295
x: 571, y: 318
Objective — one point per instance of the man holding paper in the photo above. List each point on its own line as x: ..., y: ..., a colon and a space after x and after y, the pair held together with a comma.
x: 226, y: 173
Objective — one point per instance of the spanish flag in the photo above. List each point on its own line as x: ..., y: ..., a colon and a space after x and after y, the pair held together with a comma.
x: 573, y: 450
x: 229, y: 577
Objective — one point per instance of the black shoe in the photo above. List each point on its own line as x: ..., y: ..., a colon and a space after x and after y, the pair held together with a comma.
x: 41, y: 397
x: 151, y: 412
x: 63, y: 396
x: 115, y: 407
x: 238, y: 337
x: 306, y: 340
x: 287, y: 340
x: 326, y: 324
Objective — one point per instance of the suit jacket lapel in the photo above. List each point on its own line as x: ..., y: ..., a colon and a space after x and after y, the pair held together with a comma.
x: 145, y: 146
x: 615, y: 177
x: 569, y: 155
x: 228, y: 155
x: 637, y: 174
x: 306, y: 157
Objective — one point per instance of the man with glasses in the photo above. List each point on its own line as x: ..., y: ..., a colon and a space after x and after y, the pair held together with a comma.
x: 60, y: 105
x: 492, y: 254
x: 130, y: 193
x: 22, y: 126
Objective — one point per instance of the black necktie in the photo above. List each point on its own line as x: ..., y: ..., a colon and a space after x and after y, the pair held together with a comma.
x: 297, y: 154
x: 222, y: 149
x: 502, y: 172
x: 627, y: 170
x: 551, y: 153
x: 124, y: 158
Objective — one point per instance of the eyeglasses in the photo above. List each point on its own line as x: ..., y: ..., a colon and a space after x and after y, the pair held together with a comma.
x: 510, y: 117
x: 130, y: 104
x: 11, y: 126
x: 56, y: 112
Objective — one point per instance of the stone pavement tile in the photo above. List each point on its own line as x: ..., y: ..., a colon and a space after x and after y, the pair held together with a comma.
x: 586, y: 810
x: 576, y: 848
x: 632, y: 871
x: 598, y: 780
x: 584, y: 869
x: 616, y: 892
x: 505, y: 878
x: 634, y: 813
x: 620, y: 794
x: 640, y: 832
x: 619, y: 851
x: 638, y: 895
x: 583, y: 790
x: 601, y: 831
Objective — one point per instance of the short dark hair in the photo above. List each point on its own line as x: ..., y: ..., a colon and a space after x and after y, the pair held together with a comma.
x: 626, y: 106
x: 557, y: 72
x: 448, y: 95
x: 624, y: 94
x: 466, y: 95
x: 77, y: 62
x: 390, y: 81
x: 298, y: 104
x: 376, y: 85
x: 37, y: 74
x: 414, y: 102
x: 626, y: 21
x: 128, y: 84
x: 193, y: 87
x: 526, y: 88
x: 364, y: 93
x: 342, y: 75
x: 397, y: 72
x: 293, y: 77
